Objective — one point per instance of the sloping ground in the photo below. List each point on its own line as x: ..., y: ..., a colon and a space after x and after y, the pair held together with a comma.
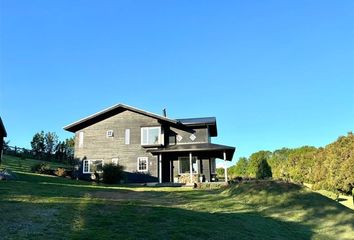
x: 43, y: 207
x: 296, y: 203
x: 24, y: 165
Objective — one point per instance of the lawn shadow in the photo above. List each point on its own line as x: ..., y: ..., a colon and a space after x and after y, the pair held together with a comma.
x: 123, y: 220
x: 279, y: 199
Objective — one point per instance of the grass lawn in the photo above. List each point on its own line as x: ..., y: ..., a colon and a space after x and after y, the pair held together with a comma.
x: 45, y: 207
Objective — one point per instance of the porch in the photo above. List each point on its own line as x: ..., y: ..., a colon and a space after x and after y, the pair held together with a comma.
x: 191, y: 163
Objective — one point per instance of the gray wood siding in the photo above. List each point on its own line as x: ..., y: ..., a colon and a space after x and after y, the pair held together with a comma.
x: 97, y: 146
x: 202, y: 135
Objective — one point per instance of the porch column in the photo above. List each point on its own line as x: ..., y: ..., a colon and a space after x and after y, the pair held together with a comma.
x: 225, y: 168
x: 160, y: 168
x: 171, y: 171
x: 191, y: 167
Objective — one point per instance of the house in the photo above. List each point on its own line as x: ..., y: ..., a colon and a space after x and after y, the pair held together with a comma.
x: 151, y: 147
x: 3, y: 134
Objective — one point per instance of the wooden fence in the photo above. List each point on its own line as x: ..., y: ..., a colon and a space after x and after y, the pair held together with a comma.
x: 24, y: 153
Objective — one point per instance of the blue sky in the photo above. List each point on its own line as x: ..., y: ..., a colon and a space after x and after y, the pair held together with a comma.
x: 274, y: 73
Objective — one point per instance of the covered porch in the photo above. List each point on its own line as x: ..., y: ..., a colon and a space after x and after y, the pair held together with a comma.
x: 191, y: 163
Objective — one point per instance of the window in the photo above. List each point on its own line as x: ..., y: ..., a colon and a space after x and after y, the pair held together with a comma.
x: 184, y: 165
x: 150, y: 135
x: 142, y: 164
x: 109, y: 133
x: 115, y: 161
x: 127, y: 136
x: 91, y: 166
x: 81, y: 139
x: 85, y: 168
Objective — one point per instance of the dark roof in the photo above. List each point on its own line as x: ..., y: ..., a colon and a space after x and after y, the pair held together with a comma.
x: 109, y: 112
x: 213, y: 150
x: 210, y: 122
x: 3, y: 132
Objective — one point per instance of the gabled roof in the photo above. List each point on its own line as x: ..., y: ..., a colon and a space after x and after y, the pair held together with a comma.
x: 111, y: 111
x: 3, y: 132
x: 209, y: 122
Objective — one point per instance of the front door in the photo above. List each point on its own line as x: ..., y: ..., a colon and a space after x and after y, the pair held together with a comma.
x: 166, y: 170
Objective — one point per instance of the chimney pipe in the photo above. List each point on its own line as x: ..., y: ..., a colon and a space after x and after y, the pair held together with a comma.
x: 164, y: 112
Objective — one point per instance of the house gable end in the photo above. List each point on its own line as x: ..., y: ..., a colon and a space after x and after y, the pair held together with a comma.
x: 109, y: 112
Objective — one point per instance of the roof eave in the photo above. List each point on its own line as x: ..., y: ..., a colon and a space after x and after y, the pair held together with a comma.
x: 75, y: 126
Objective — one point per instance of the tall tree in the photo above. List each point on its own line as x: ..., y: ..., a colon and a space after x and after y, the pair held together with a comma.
x: 256, y: 164
x: 51, y: 142
x: 38, y: 142
x: 241, y: 167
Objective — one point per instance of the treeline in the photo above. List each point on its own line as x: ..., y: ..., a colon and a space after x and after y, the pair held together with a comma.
x: 48, y: 147
x: 45, y: 146
x: 330, y: 168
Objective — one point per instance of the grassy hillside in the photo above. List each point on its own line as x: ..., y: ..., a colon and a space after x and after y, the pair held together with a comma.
x: 42, y: 207
x: 24, y: 165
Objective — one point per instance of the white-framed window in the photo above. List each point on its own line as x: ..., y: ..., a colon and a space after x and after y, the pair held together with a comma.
x: 85, y: 166
x: 91, y: 166
x: 151, y: 136
x: 115, y: 161
x: 184, y: 167
x: 143, y: 164
x: 109, y: 133
x: 81, y: 139
x: 127, y: 136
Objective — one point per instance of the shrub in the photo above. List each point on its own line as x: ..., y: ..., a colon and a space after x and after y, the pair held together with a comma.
x: 112, y: 173
x: 61, y: 172
x: 42, y: 168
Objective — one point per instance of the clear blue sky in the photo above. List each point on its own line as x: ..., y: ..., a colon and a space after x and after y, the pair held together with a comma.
x: 274, y: 73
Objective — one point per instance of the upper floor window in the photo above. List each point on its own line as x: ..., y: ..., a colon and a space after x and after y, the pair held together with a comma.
x: 127, y: 136
x: 109, y: 133
x: 151, y: 136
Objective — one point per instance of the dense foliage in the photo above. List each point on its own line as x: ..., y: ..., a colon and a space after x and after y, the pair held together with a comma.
x: 112, y: 173
x: 331, y: 167
x: 42, y: 168
x: 47, y: 146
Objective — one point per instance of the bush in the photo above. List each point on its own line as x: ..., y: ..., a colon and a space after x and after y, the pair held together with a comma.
x: 61, y: 172
x: 42, y: 168
x: 112, y: 173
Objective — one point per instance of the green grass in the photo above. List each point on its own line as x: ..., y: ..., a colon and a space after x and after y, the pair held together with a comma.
x: 44, y: 207
x: 24, y: 165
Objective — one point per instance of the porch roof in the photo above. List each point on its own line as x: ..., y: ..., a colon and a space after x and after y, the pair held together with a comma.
x: 211, y: 149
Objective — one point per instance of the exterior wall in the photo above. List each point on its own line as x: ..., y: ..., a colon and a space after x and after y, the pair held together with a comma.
x: 202, y: 135
x: 97, y: 146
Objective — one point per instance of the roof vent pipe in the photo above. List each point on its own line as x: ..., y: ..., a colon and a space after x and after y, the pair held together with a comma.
x: 164, y: 112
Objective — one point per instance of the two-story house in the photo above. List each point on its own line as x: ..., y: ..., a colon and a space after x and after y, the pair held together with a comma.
x: 151, y: 147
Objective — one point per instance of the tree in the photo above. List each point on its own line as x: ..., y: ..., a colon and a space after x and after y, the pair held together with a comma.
x: 64, y: 150
x: 263, y: 170
x: 220, y: 172
x: 256, y: 166
x: 278, y: 161
x: 38, y: 143
x: 241, y: 167
x: 51, y: 142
